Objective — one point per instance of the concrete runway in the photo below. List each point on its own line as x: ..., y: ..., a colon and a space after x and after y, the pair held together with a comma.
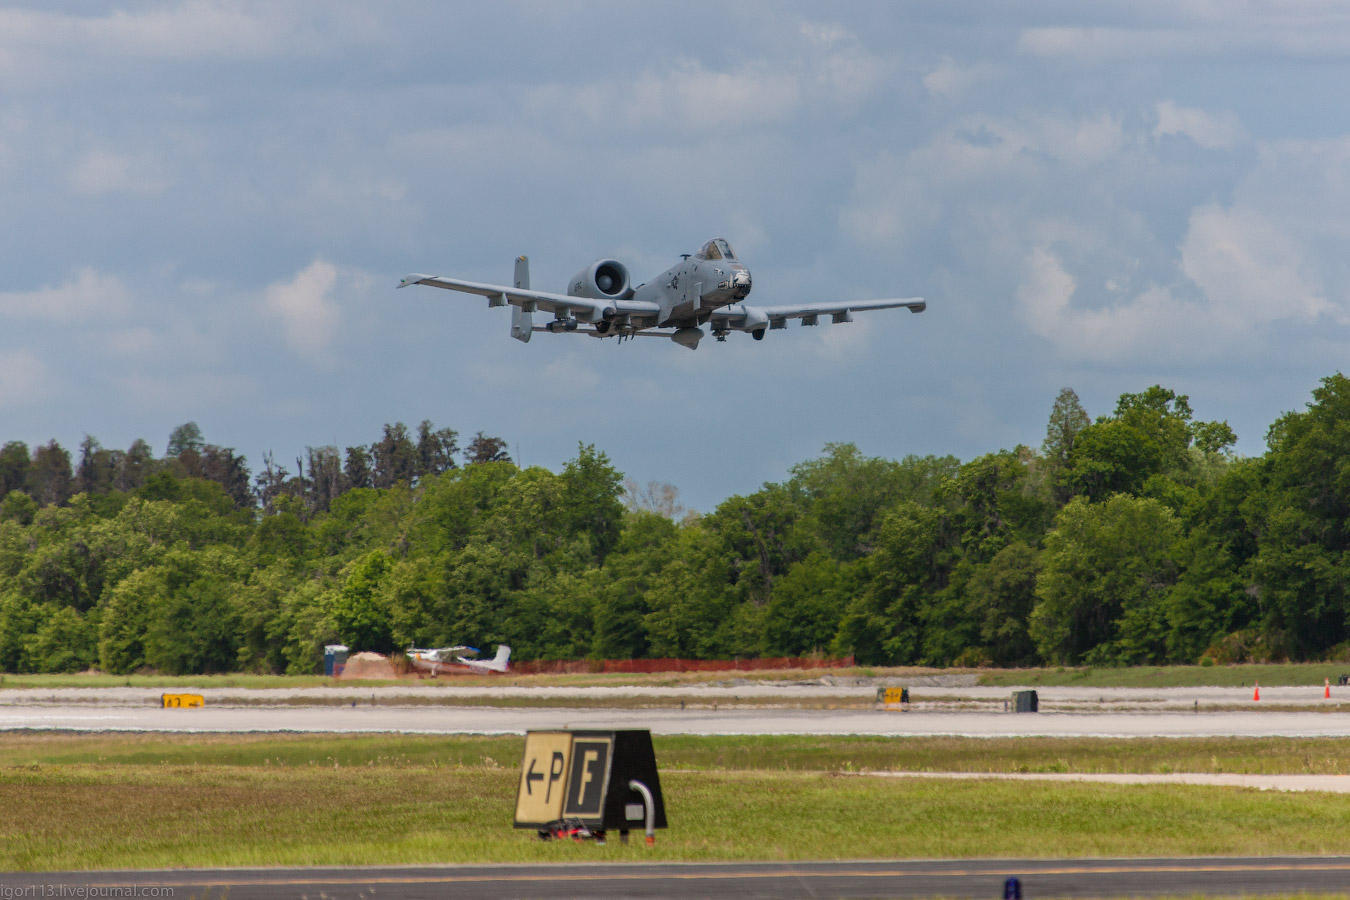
x: 724, y: 881
x: 727, y: 720
x: 1052, y: 699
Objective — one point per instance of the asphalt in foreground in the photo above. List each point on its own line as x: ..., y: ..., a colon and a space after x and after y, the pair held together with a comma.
x: 907, y: 878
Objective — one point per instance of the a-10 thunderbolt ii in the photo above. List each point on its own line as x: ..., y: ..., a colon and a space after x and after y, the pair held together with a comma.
x: 705, y: 288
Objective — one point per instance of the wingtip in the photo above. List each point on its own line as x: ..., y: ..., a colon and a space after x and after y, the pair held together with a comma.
x: 918, y: 306
x: 411, y: 279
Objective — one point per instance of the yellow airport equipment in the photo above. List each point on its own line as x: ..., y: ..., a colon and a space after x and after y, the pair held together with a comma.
x: 892, y: 695
x: 181, y: 701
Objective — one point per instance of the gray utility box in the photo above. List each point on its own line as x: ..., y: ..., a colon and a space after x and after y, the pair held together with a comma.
x: 1025, y: 701
x: 334, y: 659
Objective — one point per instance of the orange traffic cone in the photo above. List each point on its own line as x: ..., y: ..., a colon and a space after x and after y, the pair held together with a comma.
x: 1256, y: 695
x: 1326, y: 688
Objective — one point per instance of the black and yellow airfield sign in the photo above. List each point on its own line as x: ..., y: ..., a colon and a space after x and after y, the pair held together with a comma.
x: 584, y: 775
x: 181, y: 701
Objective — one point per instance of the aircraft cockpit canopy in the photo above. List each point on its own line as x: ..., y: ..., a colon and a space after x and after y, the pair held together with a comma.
x: 717, y: 249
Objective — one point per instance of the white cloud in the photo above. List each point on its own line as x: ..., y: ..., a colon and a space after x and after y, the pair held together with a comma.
x: 100, y: 172
x: 24, y: 378
x: 1146, y: 322
x: 1247, y: 273
x: 987, y: 142
x: 1201, y: 29
x: 43, y: 50
x: 1209, y: 130
x: 839, y: 69
x: 136, y: 343
x: 184, y: 31
x: 88, y: 295
x: 852, y: 340
x: 1251, y: 271
x: 895, y: 196
x: 1305, y: 186
x: 888, y: 202
x: 829, y: 69
x: 306, y: 308
x: 686, y: 97
x: 1091, y: 45
x: 825, y: 34
x: 1084, y: 141
x: 952, y: 80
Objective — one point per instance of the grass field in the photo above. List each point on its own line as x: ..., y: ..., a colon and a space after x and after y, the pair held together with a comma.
x: 112, y: 801
x: 777, y: 753
x: 1270, y: 675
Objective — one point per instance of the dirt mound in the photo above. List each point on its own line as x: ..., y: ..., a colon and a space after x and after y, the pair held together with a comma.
x: 368, y: 665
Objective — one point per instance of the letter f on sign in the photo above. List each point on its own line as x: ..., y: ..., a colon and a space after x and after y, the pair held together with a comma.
x: 587, y: 776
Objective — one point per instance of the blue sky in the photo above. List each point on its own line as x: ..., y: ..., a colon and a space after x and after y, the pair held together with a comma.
x: 206, y: 207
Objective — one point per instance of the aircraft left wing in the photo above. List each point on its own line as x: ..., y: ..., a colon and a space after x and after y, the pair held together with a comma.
x: 583, y: 308
x: 743, y: 317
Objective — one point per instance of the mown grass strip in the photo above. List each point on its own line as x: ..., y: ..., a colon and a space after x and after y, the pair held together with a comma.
x: 804, y: 753
x: 82, y: 816
x: 1267, y: 674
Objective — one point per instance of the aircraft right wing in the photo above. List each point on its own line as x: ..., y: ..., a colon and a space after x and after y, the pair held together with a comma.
x: 743, y: 317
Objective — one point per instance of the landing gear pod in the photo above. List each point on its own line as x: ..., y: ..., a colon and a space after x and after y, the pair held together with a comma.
x: 688, y: 337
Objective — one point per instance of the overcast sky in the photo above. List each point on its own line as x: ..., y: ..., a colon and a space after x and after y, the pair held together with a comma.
x: 205, y: 208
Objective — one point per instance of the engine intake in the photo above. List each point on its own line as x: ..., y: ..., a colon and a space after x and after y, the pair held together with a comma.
x: 604, y: 279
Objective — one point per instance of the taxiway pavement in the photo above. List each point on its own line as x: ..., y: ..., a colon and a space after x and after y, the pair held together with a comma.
x: 825, y: 689
x: 724, y: 881
x: 375, y: 716
x: 845, y: 707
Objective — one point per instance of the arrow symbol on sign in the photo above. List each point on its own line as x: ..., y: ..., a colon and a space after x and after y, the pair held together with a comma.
x: 532, y: 775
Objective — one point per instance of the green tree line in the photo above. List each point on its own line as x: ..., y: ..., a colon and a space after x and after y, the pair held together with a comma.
x: 1135, y: 537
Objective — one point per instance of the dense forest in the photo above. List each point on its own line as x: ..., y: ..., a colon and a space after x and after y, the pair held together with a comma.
x: 1137, y: 537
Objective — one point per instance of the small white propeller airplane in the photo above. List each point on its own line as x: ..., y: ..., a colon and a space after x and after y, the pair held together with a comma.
x: 704, y: 288
x: 452, y: 659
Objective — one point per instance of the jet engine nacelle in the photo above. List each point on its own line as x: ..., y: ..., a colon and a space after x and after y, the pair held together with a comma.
x: 604, y: 279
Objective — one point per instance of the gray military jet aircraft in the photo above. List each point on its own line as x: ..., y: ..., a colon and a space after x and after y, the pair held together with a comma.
x: 705, y: 288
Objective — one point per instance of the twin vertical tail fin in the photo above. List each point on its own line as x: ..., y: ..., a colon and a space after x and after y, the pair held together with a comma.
x: 522, y: 325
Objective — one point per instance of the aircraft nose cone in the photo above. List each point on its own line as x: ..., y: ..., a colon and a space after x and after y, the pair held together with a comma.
x: 740, y: 284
